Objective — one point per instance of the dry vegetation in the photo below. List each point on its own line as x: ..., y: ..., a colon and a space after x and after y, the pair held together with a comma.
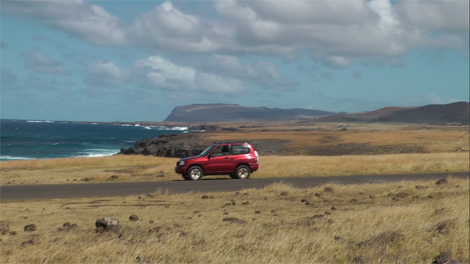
x: 406, y: 222
x: 446, y: 149
x: 416, y: 138
x: 144, y: 168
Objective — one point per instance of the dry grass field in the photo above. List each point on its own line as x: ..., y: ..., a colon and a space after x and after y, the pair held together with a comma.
x: 415, y: 149
x: 405, y: 222
x: 334, y: 138
x: 145, y: 168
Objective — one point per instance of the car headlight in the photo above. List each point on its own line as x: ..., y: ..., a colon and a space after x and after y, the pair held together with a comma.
x: 181, y: 163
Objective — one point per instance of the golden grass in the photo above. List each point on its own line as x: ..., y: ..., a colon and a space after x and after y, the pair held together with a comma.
x: 145, y: 168
x: 448, y: 147
x: 405, y: 222
x: 433, y: 141
x: 75, y: 170
x: 304, y: 166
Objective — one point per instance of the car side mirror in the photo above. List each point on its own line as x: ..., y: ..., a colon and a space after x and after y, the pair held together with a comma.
x: 210, y: 155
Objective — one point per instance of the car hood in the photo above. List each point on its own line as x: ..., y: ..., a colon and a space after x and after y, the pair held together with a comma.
x: 189, y: 158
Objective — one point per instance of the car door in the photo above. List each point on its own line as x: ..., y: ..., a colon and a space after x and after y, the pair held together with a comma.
x: 218, y: 160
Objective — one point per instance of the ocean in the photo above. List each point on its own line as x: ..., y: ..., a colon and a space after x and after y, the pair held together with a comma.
x: 33, y: 139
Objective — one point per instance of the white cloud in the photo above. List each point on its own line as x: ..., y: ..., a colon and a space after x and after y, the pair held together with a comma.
x: 166, y: 75
x: 167, y: 27
x: 321, y: 12
x: 263, y: 74
x: 104, y: 74
x: 40, y: 63
x: 87, y: 21
x: 334, y: 33
x: 444, y: 16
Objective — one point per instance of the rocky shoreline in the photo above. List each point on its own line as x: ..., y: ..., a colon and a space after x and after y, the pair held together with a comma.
x: 187, y: 145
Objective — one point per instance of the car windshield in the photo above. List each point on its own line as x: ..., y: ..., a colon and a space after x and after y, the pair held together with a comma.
x: 204, y: 153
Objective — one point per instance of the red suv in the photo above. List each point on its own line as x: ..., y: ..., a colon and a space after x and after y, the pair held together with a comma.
x: 235, y: 159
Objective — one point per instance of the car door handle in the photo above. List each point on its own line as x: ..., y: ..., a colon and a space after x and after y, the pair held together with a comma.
x: 227, y: 158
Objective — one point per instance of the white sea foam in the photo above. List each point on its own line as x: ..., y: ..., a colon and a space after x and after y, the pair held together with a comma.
x: 166, y: 128
x: 39, y: 121
x: 179, y: 128
x: 5, y: 158
x: 91, y: 153
x: 160, y: 127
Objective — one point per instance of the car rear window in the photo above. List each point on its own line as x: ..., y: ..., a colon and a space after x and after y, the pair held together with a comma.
x: 240, y: 149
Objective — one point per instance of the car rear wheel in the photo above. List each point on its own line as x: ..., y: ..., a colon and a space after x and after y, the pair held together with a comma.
x: 242, y: 172
x: 195, y: 173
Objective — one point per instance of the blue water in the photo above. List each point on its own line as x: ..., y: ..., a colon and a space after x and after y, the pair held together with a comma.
x: 22, y: 139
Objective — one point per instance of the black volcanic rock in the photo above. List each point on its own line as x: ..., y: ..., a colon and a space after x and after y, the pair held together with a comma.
x: 187, y: 145
x: 233, y: 112
x: 183, y: 145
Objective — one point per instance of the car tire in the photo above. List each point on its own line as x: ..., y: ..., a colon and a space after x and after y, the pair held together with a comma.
x: 242, y: 172
x: 195, y: 173
x: 185, y: 177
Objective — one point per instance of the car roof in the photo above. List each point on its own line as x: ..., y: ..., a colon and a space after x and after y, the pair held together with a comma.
x: 232, y: 143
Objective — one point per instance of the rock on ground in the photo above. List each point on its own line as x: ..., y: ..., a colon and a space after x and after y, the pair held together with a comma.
x: 106, y: 224
x: 30, y: 228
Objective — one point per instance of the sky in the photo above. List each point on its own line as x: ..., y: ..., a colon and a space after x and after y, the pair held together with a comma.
x: 137, y: 60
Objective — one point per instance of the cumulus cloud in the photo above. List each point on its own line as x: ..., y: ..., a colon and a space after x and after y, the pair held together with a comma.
x: 84, y: 20
x: 444, y: 16
x: 167, y: 27
x: 321, y: 12
x: 435, y: 24
x: 220, y: 74
x: 104, y: 74
x: 334, y: 33
x: 263, y: 74
x: 166, y: 75
x: 40, y: 63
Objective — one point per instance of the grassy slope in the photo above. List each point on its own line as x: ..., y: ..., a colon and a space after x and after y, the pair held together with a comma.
x: 388, y: 223
x: 143, y: 168
x: 446, y: 146
x: 408, y: 222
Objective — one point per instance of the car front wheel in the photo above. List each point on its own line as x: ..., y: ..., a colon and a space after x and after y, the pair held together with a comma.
x: 242, y: 172
x: 195, y: 173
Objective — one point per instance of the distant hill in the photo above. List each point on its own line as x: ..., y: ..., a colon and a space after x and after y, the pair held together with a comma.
x: 233, y: 112
x: 448, y: 113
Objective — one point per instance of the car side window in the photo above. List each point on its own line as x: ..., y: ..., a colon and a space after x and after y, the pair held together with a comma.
x: 240, y: 149
x: 221, y: 151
